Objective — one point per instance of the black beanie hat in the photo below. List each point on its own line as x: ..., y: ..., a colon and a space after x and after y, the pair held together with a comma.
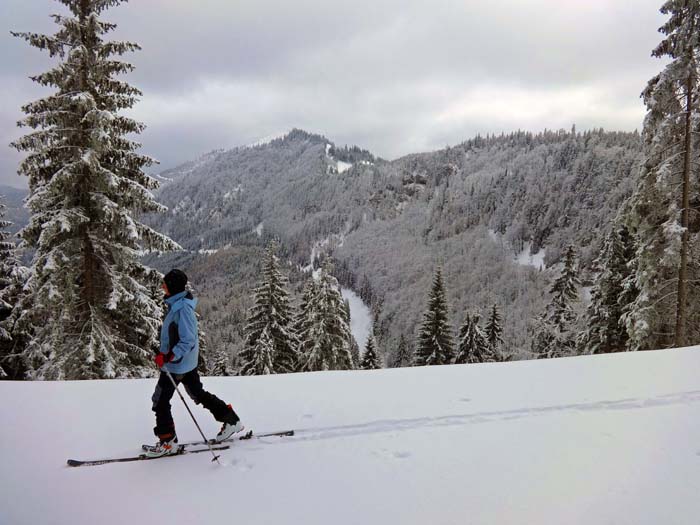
x: 176, y: 281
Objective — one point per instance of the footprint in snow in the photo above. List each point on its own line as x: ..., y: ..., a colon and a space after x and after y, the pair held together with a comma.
x: 245, y: 467
x: 396, y: 454
x: 241, y: 466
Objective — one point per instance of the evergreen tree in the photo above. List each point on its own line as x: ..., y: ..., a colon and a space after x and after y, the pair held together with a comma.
x: 370, y: 360
x: 664, y: 313
x: 271, y: 312
x: 494, y: 333
x: 355, y: 353
x: 473, y: 345
x: 435, y: 343
x: 354, y: 347
x: 555, y: 330
x: 258, y: 361
x: 325, y: 338
x: 204, y: 358
x: 605, y: 330
x: 88, y: 302
x: 303, y: 317
x: 12, y: 278
x: 378, y: 328
x: 402, y: 356
x: 220, y: 363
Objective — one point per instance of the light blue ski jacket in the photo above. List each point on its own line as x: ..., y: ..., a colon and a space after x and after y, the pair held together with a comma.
x: 179, y: 334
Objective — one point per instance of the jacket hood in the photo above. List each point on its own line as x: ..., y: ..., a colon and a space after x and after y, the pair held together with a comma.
x: 181, y: 299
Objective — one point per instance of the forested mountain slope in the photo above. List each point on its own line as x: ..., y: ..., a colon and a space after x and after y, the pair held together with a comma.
x: 470, y: 208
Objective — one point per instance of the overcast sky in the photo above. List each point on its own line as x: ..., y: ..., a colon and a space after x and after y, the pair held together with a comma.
x: 392, y: 76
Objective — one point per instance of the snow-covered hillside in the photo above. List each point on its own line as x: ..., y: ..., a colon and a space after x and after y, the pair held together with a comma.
x: 586, y: 440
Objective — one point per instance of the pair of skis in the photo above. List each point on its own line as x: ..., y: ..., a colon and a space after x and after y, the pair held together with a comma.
x: 182, y: 448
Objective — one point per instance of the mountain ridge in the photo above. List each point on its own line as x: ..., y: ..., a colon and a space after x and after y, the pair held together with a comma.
x: 476, y: 209
x: 472, y: 208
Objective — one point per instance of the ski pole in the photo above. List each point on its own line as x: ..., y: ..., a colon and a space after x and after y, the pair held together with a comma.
x: 216, y: 458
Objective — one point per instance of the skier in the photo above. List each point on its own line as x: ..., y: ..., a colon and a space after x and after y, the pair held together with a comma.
x: 179, y: 352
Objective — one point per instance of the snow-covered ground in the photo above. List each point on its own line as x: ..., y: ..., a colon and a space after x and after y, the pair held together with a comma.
x: 259, y: 229
x: 360, y: 317
x: 524, y: 257
x: 343, y: 166
x: 536, y: 260
x: 609, y: 439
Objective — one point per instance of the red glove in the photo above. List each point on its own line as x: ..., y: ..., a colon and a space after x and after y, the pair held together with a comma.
x: 161, y: 359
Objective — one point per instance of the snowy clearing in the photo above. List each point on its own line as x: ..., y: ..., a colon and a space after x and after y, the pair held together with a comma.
x: 536, y: 260
x: 604, y: 439
x: 343, y: 166
x: 360, y: 317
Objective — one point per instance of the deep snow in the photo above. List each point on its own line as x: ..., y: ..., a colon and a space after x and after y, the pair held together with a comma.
x: 588, y: 440
x: 360, y: 317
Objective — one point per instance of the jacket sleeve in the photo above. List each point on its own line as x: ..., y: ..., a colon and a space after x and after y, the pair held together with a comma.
x: 187, y: 332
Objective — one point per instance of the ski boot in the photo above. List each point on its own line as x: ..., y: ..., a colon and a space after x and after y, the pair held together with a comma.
x: 230, y: 428
x: 167, y: 445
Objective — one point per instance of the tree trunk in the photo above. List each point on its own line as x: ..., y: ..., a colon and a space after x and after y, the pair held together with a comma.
x: 681, y: 309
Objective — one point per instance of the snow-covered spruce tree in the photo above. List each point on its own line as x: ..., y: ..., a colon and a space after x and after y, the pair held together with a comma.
x: 324, y: 336
x: 494, y: 334
x: 435, y: 344
x: 355, y: 353
x: 555, y: 334
x: 271, y: 311
x: 354, y: 347
x: 665, y: 312
x: 370, y: 359
x: 258, y: 360
x: 402, y: 355
x: 473, y: 345
x: 302, y: 317
x: 12, y: 278
x: 605, y: 331
x: 204, y: 357
x: 88, y: 299
x: 220, y: 363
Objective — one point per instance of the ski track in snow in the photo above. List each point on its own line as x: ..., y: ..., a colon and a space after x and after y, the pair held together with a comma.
x: 393, y: 425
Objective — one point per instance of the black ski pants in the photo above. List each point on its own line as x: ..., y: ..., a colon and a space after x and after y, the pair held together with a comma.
x: 193, y: 386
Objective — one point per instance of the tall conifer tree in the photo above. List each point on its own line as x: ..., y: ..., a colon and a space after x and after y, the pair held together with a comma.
x: 555, y: 334
x: 325, y: 338
x: 473, y: 345
x: 354, y: 347
x: 494, y: 334
x: 88, y: 297
x: 435, y: 341
x: 271, y: 311
x: 402, y: 356
x: 370, y: 359
x: 303, y: 318
x: 665, y: 313
x: 257, y: 360
x: 220, y: 363
x: 605, y: 331
x: 12, y: 278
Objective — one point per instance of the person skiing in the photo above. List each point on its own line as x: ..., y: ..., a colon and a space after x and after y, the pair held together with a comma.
x: 179, y: 353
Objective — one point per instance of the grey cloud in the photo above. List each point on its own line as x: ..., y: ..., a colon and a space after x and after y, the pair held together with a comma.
x: 394, y: 76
